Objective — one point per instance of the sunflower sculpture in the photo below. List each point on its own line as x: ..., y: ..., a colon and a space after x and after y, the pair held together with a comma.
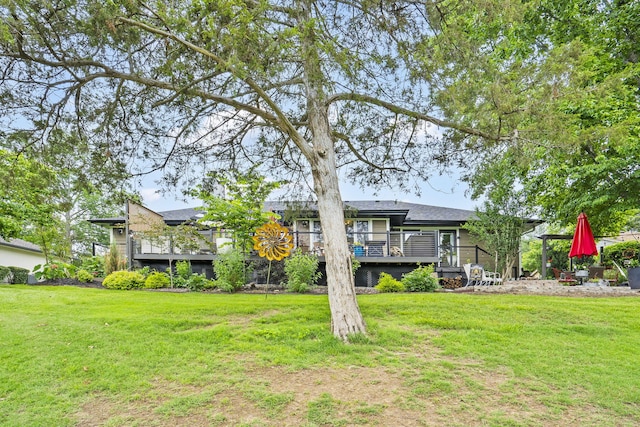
x: 273, y: 241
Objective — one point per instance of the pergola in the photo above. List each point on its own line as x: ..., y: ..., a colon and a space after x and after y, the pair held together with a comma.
x: 546, y: 237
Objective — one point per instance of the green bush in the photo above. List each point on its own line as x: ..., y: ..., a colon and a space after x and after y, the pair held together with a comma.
x: 84, y: 276
x: 145, y: 271
x: 5, y: 273
x: 94, y: 265
x: 302, y: 272
x: 19, y: 275
x: 183, y: 269
x: 420, y: 280
x: 157, y: 280
x: 231, y: 270
x: 198, y: 282
x: 54, y: 270
x: 123, y: 280
x: 387, y: 283
x: 619, y: 252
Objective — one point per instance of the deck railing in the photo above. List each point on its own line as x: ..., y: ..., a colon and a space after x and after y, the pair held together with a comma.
x: 368, y: 245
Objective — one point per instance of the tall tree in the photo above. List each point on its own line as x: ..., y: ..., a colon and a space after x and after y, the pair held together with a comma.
x: 503, y: 217
x: 301, y: 87
x: 25, y: 196
x: 564, y: 82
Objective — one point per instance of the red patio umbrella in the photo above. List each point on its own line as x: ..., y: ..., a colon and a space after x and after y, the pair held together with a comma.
x: 583, y: 243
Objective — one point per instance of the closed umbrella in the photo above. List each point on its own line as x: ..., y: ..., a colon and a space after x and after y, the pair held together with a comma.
x: 583, y: 243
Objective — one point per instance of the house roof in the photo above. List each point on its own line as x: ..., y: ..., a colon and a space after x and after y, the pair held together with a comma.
x: 400, y: 213
x: 20, y: 244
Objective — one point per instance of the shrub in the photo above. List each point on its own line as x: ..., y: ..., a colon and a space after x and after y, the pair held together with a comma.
x: 94, y: 265
x: 145, y: 271
x: 302, y: 272
x: 84, y: 276
x: 54, y: 270
x: 123, y: 280
x: 355, y: 264
x: 157, y: 280
x: 387, y: 283
x: 4, y: 273
x: 420, y: 280
x: 183, y: 269
x: 198, y: 282
x: 113, y: 261
x: 619, y: 252
x: 19, y: 275
x: 231, y: 270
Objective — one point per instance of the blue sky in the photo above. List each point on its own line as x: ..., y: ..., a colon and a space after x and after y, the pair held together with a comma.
x: 440, y: 191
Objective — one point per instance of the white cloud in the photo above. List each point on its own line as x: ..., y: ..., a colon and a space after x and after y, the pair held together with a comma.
x: 150, y: 195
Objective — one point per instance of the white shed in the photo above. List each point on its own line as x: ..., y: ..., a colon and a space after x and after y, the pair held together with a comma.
x: 19, y: 253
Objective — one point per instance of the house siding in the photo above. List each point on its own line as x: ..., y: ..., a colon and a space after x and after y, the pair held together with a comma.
x: 15, y: 257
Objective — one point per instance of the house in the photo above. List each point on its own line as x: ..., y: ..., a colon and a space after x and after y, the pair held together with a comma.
x: 385, y: 236
x: 19, y: 253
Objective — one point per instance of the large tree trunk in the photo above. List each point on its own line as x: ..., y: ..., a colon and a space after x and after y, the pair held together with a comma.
x: 345, y: 313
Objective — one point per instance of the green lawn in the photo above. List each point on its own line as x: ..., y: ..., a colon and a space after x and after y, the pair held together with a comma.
x: 76, y: 356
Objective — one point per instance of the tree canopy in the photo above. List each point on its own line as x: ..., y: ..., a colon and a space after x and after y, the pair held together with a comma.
x: 562, y: 78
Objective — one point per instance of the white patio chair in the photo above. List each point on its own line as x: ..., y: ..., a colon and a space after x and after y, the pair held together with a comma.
x: 491, y: 277
x: 474, y: 274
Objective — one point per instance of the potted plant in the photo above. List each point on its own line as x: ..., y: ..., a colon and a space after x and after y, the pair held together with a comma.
x: 358, y: 249
x: 633, y: 273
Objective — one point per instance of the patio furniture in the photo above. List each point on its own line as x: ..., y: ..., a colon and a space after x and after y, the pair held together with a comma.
x: 564, y: 276
x: 474, y: 274
x: 478, y: 276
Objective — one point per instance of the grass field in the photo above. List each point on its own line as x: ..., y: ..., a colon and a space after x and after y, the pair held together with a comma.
x: 92, y: 357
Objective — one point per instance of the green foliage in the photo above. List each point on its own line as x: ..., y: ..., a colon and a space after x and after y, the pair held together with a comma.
x: 183, y: 269
x: 199, y: 282
x: 157, y: 280
x: 145, y: 271
x: 355, y: 264
x: 186, y: 279
x: 231, y: 270
x: 25, y: 195
x: 123, y: 279
x: 94, y: 264
x: 19, y: 275
x: 532, y: 255
x: 5, y: 273
x: 499, y: 224
x: 113, y: 261
x: 621, y: 253
x: 301, y: 271
x: 84, y: 276
x: 387, y: 283
x: 420, y: 279
x: 54, y: 270
x: 241, y: 210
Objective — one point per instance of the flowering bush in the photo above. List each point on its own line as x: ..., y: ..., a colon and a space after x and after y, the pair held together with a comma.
x: 54, y: 270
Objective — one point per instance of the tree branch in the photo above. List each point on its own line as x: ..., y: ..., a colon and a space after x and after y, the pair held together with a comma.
x: 410, y: 113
